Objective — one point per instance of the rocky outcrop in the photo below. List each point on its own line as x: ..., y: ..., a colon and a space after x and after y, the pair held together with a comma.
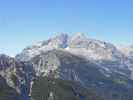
x: 17, y: 75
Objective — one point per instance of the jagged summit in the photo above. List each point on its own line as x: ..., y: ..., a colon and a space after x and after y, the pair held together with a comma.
x: 80, y: 45
x: 59, y: 41
x: 5, y: 61
x: 79, y: 41
x: 4, y: 56
x: 91, y: 63
x: 79, y: 35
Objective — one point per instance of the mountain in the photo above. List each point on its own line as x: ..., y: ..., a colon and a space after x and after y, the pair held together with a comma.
x: 20, y: 81
x: 59, y: 64
x: 70, y: 68
x: 7, y: 92
x: 95, y: 48
x: 15, y: 78
x: 31, y: 51
x: 104, y: 54
x: 127, y: 51
x: 56, y: 89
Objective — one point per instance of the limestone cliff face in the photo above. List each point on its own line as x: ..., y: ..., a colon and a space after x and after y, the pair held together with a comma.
x: 104, y: 54
x: 17, y: 75
x: 65, y: 63
x: 59, y: 64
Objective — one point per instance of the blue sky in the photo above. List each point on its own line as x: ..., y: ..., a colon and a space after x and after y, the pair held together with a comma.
x: 23, y: 22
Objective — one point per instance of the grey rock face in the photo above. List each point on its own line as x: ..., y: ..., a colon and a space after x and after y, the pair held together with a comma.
x: 104, y: 54
x: 94, y: 64
x: 17, y: 75
x: 7, y: 92
x: 66, y: 66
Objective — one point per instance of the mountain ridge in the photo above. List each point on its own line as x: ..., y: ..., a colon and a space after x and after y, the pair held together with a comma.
x: 80, y: 45
x: 65, y: 61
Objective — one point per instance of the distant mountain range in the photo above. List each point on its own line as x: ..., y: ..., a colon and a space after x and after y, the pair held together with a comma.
x: 68, y: 68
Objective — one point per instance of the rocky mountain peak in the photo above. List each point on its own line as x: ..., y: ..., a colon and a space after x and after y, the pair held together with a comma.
x: 59, y: 41
x: 79, y: 36
x: 5, y: 61
x: 90, y: 63
x: 100, y: 49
